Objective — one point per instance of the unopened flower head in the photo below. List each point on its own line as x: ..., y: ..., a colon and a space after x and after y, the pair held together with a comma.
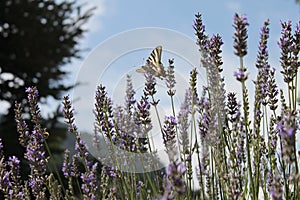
x: 240, y: 36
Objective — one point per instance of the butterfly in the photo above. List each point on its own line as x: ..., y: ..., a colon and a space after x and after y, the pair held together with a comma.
x: 153, y: 64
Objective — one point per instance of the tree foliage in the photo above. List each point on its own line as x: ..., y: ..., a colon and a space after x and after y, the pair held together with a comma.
x: 37, y: 38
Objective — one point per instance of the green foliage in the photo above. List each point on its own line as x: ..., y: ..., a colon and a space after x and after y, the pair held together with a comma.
x: 37, y: 38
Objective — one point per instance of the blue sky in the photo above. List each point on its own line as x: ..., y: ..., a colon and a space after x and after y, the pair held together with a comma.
x: 116, y: 15
x: 114, y: 20
x: 117, y: 46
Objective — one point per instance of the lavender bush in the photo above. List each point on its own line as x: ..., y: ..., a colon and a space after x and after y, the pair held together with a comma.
x: 242, y: 151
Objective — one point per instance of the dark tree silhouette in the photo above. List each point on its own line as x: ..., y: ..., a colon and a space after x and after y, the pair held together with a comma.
x: 37, y: 38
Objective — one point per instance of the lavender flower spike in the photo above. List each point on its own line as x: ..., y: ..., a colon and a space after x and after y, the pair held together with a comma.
x: 169, y: 134
x: 240, y: 35
x: 176, y: 173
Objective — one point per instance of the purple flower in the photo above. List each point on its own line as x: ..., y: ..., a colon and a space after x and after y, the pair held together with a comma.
x: 240, y: 35
x: 129, y: 99
x: 240, y: 75
x: 287, y: 128
x: 170, y: 78
x: 262, y: 56
x: 22, y: 127
x: 150, y: 85
x: 10, y: 179
x: 276, y: 188
x: 104, y: 114
x: 204, y: 118
x: 124, y: 120
x: 81, y: 149
x: 34, y: 143
x: 193, y: 83
x: 137, y: 135
x: 233, y: 107
x: 32, y: 97
x: 90, y: 185
x: 68, y: 114
x: 110, y: 171
x: 199, y: 27
x: 216, y: 84
x: 169, y: 134
x: 66, y: 168
x: 14, y: 162
x: 297, y: 39
x: 139, y: 186
x: 36, y: 156
x: 289, y: 61
x: 32, y: 91
x: 1, y: 147
x: 183, y: 122
x: 176, y: 172
x: 142, y: 117
x: 143, y: 105
x: 5, y: 180
x: 214, y: 61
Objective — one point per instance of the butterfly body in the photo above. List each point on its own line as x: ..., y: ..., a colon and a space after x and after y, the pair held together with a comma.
x: 153, y: 64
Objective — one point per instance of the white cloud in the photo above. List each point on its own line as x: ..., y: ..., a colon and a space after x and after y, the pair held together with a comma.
x: 233, y: 6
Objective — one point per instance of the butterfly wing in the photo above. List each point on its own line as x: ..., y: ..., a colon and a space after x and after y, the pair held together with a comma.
x: 141, y: 69
x: 155, y: 56
x: 153, y: 63
x: 148, y: 68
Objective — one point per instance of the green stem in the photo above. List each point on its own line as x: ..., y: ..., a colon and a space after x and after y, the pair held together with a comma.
x: 157, y: 114
x: 245, y: 109
x: 55, y: 167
